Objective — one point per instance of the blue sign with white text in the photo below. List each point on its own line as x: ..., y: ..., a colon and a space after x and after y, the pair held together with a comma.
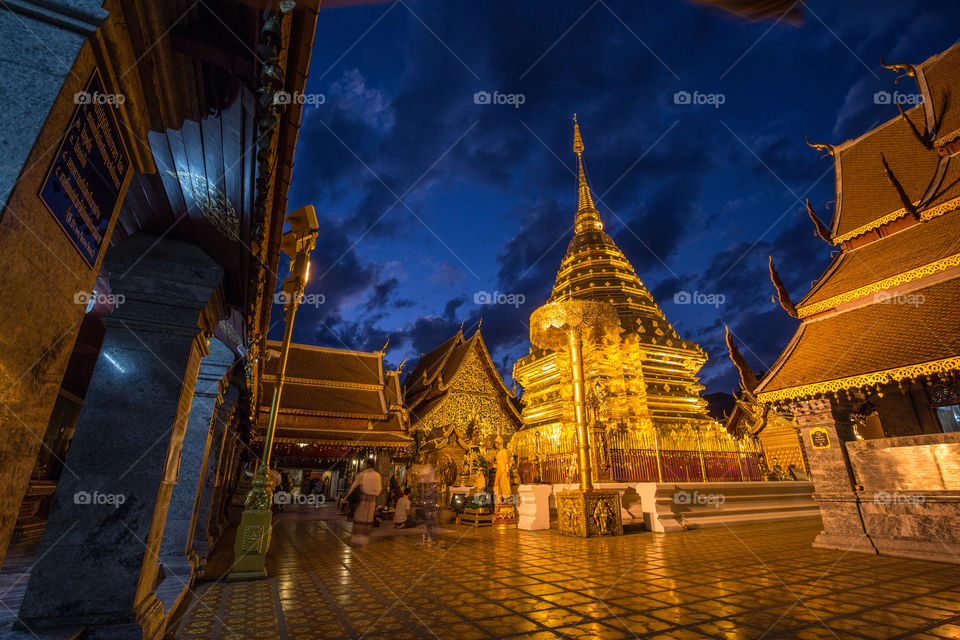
x: 86, y: 177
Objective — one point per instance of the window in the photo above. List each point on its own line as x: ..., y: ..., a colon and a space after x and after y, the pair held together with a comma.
x: 949, y: 417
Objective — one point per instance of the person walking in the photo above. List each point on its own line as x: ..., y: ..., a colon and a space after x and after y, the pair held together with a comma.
x: 369, y: 484
x: 427, y: 477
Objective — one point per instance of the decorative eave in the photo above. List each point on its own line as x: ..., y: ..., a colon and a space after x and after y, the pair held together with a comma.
x: 330, y: 384
x: 947, y: 139
x: 376, y: 417
x: 864, y: 380
x: 396, y: 440
x: 276, y: 142
x: 893, y: 216
x: 880, y: 285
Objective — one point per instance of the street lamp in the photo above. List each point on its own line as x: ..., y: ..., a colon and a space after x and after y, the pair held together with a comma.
x: 253, y: 535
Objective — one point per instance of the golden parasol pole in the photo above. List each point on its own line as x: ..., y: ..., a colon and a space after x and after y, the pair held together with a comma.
x: 580, y: 408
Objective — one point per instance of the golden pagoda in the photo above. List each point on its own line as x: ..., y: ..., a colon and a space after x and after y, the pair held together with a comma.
x: 647, y: 420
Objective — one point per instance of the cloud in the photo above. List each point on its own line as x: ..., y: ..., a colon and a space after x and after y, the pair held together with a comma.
x: 368, y: 105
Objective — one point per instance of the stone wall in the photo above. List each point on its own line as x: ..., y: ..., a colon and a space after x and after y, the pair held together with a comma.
x: 909, y: 491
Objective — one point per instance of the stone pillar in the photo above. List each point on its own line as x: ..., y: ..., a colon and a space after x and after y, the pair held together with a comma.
x: 44, y: 59
x: 176, y: 550
x: 97, y: 563
x: 62, y: 27
x: 825, y: 427
x: 202, y: 538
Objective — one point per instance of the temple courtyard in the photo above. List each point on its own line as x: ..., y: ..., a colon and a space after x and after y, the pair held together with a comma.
x: 752, y: 581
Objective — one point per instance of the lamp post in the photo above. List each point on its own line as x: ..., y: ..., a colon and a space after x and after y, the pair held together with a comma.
x: 253, y: 535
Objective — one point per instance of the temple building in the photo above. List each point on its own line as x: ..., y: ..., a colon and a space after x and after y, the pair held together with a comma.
x: 872, y: 370
x: 648, y: 422
x: 338, y: 408
x: 458, y: 384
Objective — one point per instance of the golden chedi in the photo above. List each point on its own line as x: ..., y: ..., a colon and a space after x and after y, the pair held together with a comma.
x: 647, y: 420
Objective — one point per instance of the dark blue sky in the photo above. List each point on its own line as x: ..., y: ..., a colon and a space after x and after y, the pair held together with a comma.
x: 426, y: 197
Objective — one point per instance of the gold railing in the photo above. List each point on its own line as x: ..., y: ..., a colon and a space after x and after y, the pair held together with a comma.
x: 665, y: 455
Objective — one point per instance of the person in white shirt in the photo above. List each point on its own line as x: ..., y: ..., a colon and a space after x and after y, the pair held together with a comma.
x: 370, y: 484
x: 402, y: 514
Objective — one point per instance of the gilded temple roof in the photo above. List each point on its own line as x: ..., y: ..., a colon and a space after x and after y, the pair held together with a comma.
x: 429, y: 383
x: 323, y: 363
x: 866, y: 198
x: 912, y: 334
x: 854, y: 332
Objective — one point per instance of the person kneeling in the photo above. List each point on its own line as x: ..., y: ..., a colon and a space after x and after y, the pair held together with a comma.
x: 401, y: 517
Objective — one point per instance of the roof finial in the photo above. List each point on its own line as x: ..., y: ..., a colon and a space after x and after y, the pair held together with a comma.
x: 587, y: 216
x: 782, y: 294
x: 748, y: 380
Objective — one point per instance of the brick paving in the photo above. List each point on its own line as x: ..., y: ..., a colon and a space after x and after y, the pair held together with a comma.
x: 753, y: 581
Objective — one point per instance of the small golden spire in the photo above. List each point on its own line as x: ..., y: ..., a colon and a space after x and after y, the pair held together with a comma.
x: 577, y: 140
x: 588, y: 218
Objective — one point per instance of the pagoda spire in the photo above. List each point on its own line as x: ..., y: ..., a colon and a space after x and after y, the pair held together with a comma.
x: 588, y: 218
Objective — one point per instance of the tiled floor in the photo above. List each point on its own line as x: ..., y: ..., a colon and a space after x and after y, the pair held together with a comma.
x: 759, y: 581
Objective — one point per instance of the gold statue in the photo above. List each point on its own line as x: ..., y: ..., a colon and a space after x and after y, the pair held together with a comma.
x: 603, y: 517
x: 501, y: 482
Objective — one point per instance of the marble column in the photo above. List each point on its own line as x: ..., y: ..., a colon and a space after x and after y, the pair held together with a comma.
x: 176, y: 551
x: 202, y: 538
x: 44, y: 59
x: 97, y: 563
x: 833, y: 479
